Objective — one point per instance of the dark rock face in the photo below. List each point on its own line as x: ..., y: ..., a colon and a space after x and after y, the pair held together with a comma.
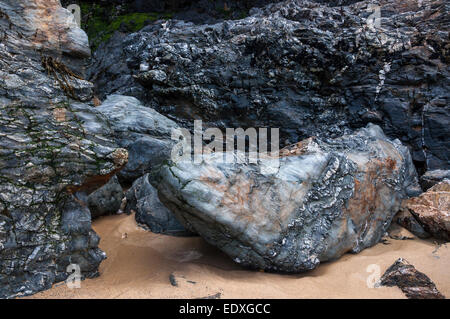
x: 47, y: 150
x: 107, y: 199
x: 308, y: 68
x: 107, y: 68
x: 145, y: 133
x: 142, y: 198
x: 100, y: 19
x: 329, y: 198
x: 413, y: 283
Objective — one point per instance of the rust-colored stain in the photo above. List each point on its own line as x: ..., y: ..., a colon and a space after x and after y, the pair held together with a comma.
x: 96, y: 101
x: 246, y: 202
x: 120, y: 157
x: 91, y: 183
x: 435, y: 199
x: 59, y: 114
x: 297, y: 148
x: 391, y: 164
x: 238, y: 194
x: 43, y: 18
x: 368, y: 191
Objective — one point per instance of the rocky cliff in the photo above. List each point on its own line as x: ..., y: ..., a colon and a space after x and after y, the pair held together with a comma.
x: 52, y: 144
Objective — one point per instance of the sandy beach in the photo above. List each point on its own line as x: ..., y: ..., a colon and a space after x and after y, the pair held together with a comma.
x: 141, y: 264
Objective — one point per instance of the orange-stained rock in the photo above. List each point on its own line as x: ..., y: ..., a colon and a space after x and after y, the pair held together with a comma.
x: 45, y: 25
x: 432, y: 210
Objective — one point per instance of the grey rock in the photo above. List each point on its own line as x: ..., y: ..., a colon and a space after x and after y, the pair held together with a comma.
x: 332, y: 197
x: 107, y: 68
x: 145, y: 133
x: 47, y: 151
x: 431, y: 178
x: 142, y: 198
x: 196, y: 11
x: 107, y: 199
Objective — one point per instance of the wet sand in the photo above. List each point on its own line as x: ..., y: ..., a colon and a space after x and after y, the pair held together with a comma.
x: 140, y: 265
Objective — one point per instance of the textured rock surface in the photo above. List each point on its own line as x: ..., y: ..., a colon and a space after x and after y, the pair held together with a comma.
x: 100, y: 19
x: 142, y: 198
x: 413, y: 283
x: 337, y: 195
x: 145, y: 133
x: 198, y: 11
x: 308, y: 68
x: 431, y: 178
x: 407, y: 220
x: 47, y: 152
x: 107, y: 199
x: 432, y: 210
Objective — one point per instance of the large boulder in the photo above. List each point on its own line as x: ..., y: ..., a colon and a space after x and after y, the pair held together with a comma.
x: 142, y: 199
x: 432, y: 210
x: 327, y: 197
x: 51, y: 147
x: 306, y: 67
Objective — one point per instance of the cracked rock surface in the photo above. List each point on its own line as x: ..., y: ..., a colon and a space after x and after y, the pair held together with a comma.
x: 431, y: 178
x: 47, y: 152
x: 312, y: 68
x: 331, y: 197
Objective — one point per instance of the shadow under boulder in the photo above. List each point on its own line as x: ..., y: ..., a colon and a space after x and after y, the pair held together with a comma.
x: 142, y: 198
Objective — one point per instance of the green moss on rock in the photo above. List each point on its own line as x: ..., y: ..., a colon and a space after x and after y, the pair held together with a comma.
x: 101, y: 22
